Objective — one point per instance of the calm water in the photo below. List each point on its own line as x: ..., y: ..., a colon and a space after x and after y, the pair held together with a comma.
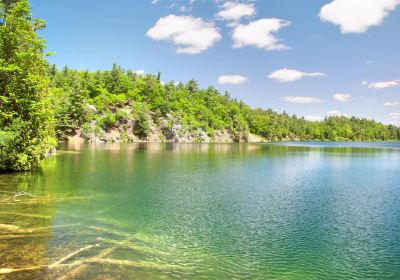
x: 198, y: 211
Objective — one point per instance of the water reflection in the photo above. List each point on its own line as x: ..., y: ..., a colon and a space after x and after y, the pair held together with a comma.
x: 204, y: 211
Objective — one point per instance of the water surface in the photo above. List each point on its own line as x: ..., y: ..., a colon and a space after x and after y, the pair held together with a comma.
x: 205, y: 211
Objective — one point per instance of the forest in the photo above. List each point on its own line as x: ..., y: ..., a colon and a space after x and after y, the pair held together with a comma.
x: 99, y: 101
x: 41, y: 105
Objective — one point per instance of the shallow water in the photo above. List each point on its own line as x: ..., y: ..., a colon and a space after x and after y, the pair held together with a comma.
x: 205, y: 211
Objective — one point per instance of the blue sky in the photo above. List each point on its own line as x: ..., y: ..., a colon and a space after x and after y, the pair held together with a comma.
x: 310, y: 58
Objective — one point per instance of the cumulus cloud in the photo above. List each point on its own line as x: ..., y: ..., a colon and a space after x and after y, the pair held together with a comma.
x: 342, y: 97
x: 336, y: 113
x: 288, y: 75
x: 381, y: 85
x: 259, y: 34
x: 356, y: 16
x: 234, y: 11
x: 191, y: 35
x: 139, y: 72
x: 232, y: 79
x: 184, y: 9
x: 391, y: 104
x: 301, y: 99
x: 313, y: 118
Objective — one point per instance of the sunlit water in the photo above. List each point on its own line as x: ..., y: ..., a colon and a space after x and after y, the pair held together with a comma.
x: 198, y: 211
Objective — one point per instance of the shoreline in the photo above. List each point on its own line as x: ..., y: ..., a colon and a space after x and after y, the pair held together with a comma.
x: 83, y: 141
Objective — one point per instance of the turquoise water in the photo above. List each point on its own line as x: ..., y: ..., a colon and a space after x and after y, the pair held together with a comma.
x: 206, y: 211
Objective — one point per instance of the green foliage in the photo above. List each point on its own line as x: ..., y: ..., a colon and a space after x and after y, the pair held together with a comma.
x: 114, y: 92
x: 142, y: 120
x: 108, y: 120
x: 26, y: 124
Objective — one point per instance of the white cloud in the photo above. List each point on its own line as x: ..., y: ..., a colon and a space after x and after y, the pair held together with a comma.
x: 191, y: 35
x: 301, y: 99
x: 333, y: 112
x: 369, y: 62
x: 381, y: 85
x: 259, y: 34
x: 313, y: 118
x: 234, y: 11
x: 336, y: 113
x: 288, y: 75
x: 394, y: 116
x: 356, y: 16
x: 232, y: 79
x: 183, y: 9
x: 392, y: 104
x: 139, y: 72
x: 342, y: 97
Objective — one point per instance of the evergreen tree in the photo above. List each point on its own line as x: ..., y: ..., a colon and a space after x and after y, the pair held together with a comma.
x: 26, y: 126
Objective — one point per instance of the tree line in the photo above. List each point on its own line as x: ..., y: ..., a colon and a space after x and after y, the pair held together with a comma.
x: 120, y: 95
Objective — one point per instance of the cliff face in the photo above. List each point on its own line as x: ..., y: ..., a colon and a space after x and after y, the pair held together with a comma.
x: 164, y: 129
x: 159, y: 133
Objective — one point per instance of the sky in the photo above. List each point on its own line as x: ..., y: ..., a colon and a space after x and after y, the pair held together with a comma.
x: 310, y: 58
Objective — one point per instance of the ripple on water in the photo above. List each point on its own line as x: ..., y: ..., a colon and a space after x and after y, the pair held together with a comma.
x: 254, y: 212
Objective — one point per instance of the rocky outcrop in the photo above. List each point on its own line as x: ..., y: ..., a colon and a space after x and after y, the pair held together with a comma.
x: 177, y: 133
x: 76, y: 139
x: 169, y: 129
x: 253, y: 138
x: 223, y: 136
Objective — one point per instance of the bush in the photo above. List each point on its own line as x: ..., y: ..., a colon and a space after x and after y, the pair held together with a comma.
x: 108, y: 120
x: 142, y: 117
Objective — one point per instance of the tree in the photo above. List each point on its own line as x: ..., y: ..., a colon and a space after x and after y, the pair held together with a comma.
x: 26, y: 124
x: 142, y: 120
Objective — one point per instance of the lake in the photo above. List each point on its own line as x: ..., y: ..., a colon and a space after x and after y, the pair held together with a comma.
x: 205, y: 211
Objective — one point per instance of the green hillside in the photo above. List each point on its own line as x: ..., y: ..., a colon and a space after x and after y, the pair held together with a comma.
x: 140, y: 107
